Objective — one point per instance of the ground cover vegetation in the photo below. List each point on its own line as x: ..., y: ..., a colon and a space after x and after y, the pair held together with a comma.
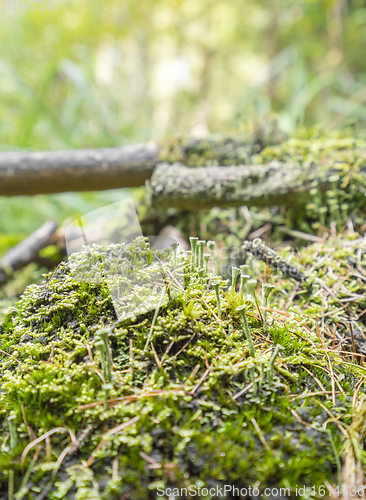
x: 238, y: 383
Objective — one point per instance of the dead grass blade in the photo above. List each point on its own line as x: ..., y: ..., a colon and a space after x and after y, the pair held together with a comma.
x: 41, y: 438
x: 119, y: 428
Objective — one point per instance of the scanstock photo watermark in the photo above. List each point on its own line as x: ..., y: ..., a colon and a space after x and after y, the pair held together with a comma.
x: 222, y: 491
x: 27, y: 5
x: 144, y: 273
x: 107, y: 246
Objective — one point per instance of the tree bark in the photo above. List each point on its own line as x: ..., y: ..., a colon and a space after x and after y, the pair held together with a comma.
x: 76, y: 170
x: 188, y: 188
x: 125, y: 166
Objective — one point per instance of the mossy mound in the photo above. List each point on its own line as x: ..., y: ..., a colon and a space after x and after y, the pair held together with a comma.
x: 192, y: 409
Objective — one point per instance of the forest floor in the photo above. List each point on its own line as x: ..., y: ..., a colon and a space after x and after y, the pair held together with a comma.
x: 238, y: 363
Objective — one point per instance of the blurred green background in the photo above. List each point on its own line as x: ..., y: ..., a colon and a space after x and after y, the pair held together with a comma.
x: 104, y: 73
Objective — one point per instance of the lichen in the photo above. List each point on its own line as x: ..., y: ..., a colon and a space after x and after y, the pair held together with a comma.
x: 195, y: 407
x: 337, y: 162
x: 218, y: 149
x: 342, y: 159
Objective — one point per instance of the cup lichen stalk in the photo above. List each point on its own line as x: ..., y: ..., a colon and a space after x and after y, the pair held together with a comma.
x: 206, y: 258
x: 105, y: 355
x: 201, y: 246
x: 271, y: 363
x: 235, y: 271
x: 244, y: 269
x: 155, y: 318
x: 253, y: 380
x: 211, y: 248
x: 251, y: 284
x: 216, y: 286
x: 193, y: 241
x: 242, y: 311
x: 267, y: 288
x: 243, y: 280
x: 13, y: 443
x: 201, y: 273
x: 261, y: 371
x: 103, y: 347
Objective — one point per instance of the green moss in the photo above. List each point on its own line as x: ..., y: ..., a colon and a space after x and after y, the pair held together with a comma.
x: 337, y: 191
x: 232, y: 149
x: 203, y: 411
x: 342, y: 160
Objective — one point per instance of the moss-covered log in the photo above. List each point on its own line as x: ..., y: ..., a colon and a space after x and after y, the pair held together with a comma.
x: 266, y: 185
x: 206, y: 187
x: 126, y: 166
x: 294, y: 173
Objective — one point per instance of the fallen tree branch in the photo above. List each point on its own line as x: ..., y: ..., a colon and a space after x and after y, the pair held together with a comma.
x: 32, y: 173
x: 76, y: 170
x: 27, y: 250
x: 275, y: 183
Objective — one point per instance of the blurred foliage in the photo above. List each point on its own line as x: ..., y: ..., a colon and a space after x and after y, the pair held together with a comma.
x: 22, y: 214
x: 104, y: 73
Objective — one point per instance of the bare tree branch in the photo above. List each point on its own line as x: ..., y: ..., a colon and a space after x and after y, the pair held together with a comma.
x: 27, y: 250
x: 76, y: 170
